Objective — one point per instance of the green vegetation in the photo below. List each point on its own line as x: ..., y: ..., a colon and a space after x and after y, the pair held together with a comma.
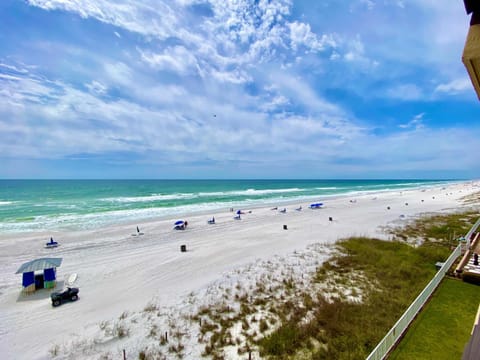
x: 445, y: 228
x: 392, y: 275
x: 443, y: 328
x: 348, y: 329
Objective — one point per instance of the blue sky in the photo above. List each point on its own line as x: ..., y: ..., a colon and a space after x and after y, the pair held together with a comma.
x: 236, y: 89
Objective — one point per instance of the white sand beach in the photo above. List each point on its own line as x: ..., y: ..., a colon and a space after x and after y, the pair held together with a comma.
x: 120, y: 275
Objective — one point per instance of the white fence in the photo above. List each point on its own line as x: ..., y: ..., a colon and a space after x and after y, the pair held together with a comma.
x: 384, y: 346
x: 472, y: 230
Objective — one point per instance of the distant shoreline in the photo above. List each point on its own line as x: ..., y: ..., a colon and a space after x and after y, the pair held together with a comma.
x: 88, y: 206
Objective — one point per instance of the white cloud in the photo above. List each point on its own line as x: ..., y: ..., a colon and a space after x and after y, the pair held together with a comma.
x: 234, y: 77
x: 9, y: 77
x: 405, y: 92
x: 276, y: 103
x: 302, y: 35
x: 415, y: 123
x: 119, y: 72
x: 140, y: 17
x: 14, y: 68
x: 59, y: 120
x: 368, y: 3
x: 96, y: 87
x: 264, y: 74
x: 238, y: 34
x: 455, y: 86
x: 177, y: 59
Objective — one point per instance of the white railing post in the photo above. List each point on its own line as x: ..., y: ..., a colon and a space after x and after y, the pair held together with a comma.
x: 472, y: 230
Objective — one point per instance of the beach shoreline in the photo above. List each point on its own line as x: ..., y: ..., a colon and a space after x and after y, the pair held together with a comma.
x: 119, y: 272
x: 61, y: 209
x: 151, y: 221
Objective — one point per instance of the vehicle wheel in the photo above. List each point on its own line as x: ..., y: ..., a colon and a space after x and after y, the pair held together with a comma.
x: 56, y: 302
x: 74, y: 298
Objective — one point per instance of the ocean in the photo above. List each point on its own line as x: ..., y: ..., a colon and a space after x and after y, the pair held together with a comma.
x: 38, y: 205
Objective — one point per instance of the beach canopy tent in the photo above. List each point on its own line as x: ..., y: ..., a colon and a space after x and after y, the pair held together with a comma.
x: 46, y: 279
x: 180, y: 225
x: 316, y: 205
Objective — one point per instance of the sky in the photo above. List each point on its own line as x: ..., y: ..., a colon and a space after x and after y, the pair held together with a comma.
x: 238, y: 89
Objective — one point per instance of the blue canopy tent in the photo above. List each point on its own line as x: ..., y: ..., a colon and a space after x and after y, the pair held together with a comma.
x: 180, y: 225
x: 46, y: 279
x: 316, y: 205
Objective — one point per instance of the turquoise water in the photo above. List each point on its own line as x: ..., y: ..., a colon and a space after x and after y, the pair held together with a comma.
x: 35, y: 205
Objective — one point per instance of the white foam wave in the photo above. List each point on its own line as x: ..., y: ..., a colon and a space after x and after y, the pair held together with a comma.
x: 148, y: 198
x: 94, y: 220
x: 180, y: 196
x: 3, y: 203
x: 250, y: 192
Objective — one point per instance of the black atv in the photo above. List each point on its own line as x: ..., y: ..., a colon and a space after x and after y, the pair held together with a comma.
x: 69, y: 294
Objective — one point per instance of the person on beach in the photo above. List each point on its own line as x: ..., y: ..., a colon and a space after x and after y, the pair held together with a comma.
x: 138, y: 230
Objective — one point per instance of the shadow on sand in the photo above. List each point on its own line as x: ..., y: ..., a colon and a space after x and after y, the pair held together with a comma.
x: 40, y: 294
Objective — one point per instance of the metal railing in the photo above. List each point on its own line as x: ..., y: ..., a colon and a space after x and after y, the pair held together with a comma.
x: 386, y: 344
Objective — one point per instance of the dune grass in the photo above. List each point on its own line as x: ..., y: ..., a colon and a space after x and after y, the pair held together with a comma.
x: 445, y: 228
x: 392, y: 275
x: 443, y: 328
x: 343, y: 329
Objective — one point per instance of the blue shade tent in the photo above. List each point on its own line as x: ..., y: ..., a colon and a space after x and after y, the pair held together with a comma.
x: 239, y: 212
x: 47, y: 279
x: 316, y: 205
x: 180, y: 225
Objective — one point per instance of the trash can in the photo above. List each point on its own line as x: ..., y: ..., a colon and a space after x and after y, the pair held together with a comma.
x: 285, y: 227
x: 183, y: 248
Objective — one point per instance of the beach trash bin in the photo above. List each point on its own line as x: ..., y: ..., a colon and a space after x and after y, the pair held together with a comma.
x: 330, y: 218
x: 183, y: 248
x: 285, y: 227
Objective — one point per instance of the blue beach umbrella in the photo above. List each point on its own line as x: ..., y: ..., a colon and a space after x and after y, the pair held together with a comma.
x: 179, y: 222
x: 239, y: 212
